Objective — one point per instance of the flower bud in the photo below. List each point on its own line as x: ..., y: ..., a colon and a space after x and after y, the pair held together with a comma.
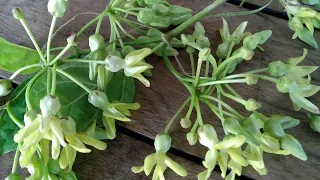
x: 145, y: 16
x: 71, y: 39
x: 207, y: 135
x: 50, y: 105
x: 162, y: 143
x: 315, y: 123
x: 57, y: 8
x: 251, y: 79
x: 192, y: 138
x: 17, y: 13
x: 14, y: 176
x: 274, y: 129
x: 277, y: 68
x: 5, y: 87
x: 114, y: 63
x: 185, y: 123
x: 98, y: 98
x: 252, y: 105
x: 159, y: 9
x: 96, y: 41
x: 283, y: 84
x: 29, y: 117
x: 289, y: 143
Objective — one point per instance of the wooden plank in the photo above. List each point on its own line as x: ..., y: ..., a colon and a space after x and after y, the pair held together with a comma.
x: 274, y: 5
x: 165, y: 95
x: 116, y: 162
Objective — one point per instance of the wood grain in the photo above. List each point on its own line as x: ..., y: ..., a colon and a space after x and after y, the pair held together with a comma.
x: 162, y: 99
x: 274, y: 5
x: 116, y: 162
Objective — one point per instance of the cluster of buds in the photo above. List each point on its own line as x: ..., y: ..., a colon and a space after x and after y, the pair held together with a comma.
x: 159, y: 13
x: 303, y: 22
x: 159, y: 159
x: 292, y: 80
x: 42, y: 128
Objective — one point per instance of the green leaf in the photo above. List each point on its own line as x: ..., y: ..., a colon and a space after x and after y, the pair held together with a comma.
x: 7, y: 127
x: 14, y: 57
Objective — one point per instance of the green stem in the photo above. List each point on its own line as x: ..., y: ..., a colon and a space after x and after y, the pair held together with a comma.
x: 158, y: 46
x: 116, y: 30
x: 219, y: 103
x: 192, y: 63
x: 197, y: 72
x: 194, y: 19
x: 75, y: 80
x: 206, y: 73
x: 232, y: 90
x: 191, y: 106
x: 13, y: 117
x: 54, y: 79
x: 214, y: 110
x: 99, y: 24
x: 48, y: 81
x: 271, y: 79
x: 224, y: 63
x: 230, y: 49
x: 176, y: 114
x: 124, y: 31
x: 239, y: 100
x: 223, y: 82
x: 222, y: 103
x: 85, y: 27
x: 197, y: 107
x: 69, y: 45
x: 53, y: 23
x: 126, y: 11
x: 56, y: 49
x: 195, y: 126
x: 15, y: 161
x: 22, y: 69
x: 242, y: 2
x: 24, y: 24
x: 28, y: 101
x: 84, y: 61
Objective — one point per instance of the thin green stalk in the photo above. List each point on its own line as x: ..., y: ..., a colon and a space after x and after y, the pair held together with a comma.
x: 158, y: 46
x: 219, y: 103
x: 24, y: 68
x: 214, y: 110
x: 112, y: 34
x: 56, y: 49
x: 271, y: 79
x: 99, y: 24
x: 85, y: 27
x: 195, y: 126
x: 242, y: 2
x: 224, y: 63
x: 69, y: 45
x: 206, y: 72
x: 125, y: 11
x: 30, y: 83
x: 53, y: 23
x: 232, y: 90
x: 229, y: 108
x: 230, y: 49
x: 48, y: 81
x: 116, y: 30
x: 239, y: 100
x: 222, y: 82
x: 13, y: 117
x: 195, y: 83
x: 15, y: 161
x: 192, y: 63
x: 191, y: 105
x: 84, y: 61
x: 24, y: 24
x: 174, y: 117
x: 194, y: 19
x: 84, y: 87
x: 197, y: 107
x: 170, y: 67
x: 54, y: 79
x: 124, y: 31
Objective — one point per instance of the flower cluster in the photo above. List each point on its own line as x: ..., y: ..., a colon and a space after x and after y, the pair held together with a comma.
x: 295, y: 80
x: 41, y: 128
x: 303, y: 22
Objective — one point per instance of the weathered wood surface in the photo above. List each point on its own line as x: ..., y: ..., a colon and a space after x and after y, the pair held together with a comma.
x: 116, y: 162
x: 162, y: 99
x: 274, y: 5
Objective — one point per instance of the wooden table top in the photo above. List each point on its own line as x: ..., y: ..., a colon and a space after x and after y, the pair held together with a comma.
x: 163, y: 98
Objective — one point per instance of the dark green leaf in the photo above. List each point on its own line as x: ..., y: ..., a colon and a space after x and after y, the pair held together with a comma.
x: 7, y: 127
x: 13, y: 57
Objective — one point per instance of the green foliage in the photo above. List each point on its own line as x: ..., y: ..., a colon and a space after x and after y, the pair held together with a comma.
x: 14, y: 57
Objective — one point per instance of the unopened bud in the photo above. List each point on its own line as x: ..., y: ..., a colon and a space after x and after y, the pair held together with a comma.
x: 283, y: 84
x: 252, y: 105
x: 57, y: 8
x: 162, y: 143
x: 98, y: 98
x: 17, y: 13
x: 50, y: 105
x: 192, y: 138
x: 185, y: 123
x: 5, y: 87
x: 207, y: 135
x: 71, y: 39
x: 252, y: 79
x: 96, y: 41
x: 29, y: 117
x: 114, y: 63
x: 277, y: 68
x: 315, y: 123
